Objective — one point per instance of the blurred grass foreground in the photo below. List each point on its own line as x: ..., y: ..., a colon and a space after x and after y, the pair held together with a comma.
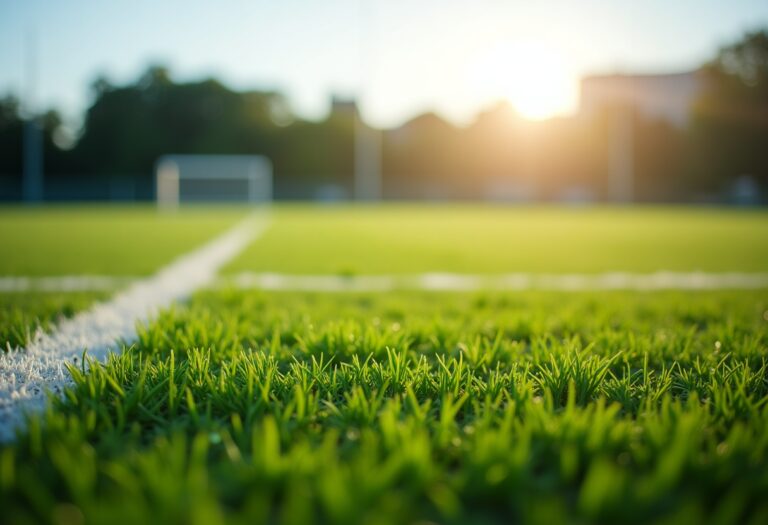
x: 597, y: 353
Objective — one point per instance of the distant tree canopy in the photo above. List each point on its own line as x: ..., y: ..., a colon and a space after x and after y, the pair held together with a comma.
x: 747, y: 62
x: 11, y: 133
x: 12, y: 140
x: 729, y: 130
x: 128, y: 127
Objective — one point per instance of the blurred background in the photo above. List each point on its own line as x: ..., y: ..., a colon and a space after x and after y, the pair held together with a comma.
x: 551, y: 101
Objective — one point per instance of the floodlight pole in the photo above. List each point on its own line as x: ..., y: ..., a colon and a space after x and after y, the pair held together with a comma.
x: 621, y: 157
x: 32, y: 176
x: 367, y: 161
x: 367, y: 140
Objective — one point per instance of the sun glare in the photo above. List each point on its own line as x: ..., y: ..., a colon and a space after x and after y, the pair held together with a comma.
x: 535, y: 79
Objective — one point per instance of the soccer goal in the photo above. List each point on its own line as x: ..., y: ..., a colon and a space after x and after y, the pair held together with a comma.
x: 212, y: 178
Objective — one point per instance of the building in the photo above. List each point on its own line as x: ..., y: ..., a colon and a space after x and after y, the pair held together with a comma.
x: 666, y: 97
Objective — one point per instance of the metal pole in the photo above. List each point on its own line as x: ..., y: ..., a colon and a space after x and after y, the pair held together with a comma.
x: 621, y: 151
x: 367, y: 161
x: 32, y: 184
x: 367, y: 141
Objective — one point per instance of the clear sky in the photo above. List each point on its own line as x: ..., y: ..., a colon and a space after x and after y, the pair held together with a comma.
x: 401, y: 57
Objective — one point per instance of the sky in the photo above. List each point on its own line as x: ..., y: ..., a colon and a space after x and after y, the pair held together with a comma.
x: 398, y: 57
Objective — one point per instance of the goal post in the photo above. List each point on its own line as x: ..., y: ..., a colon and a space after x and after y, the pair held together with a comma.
x: 212, y: 178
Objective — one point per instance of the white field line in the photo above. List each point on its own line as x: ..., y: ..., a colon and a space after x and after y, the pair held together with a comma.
x: 425, y: 281
x: 512, y: 282
x: 26, y: 375
x: 65, y: 283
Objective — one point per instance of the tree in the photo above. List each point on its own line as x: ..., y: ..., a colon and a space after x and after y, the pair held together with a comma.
x: 11, y: 132
x: 729, y: 132
x: 128, y: 127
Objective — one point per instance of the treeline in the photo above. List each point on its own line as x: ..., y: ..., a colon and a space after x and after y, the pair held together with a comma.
x: 128, y: 127
x: 499, y: 156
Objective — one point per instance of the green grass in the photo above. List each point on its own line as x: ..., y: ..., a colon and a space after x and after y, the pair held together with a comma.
x: 101, y: 240
x: 414, y: 408
x: 473, y: 239
x: 390, y: 239
x: 403, y: 407
x: 21, y: 314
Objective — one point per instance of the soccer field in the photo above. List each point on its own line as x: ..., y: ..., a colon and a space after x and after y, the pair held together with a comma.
x: 103, y: 240
x: 401, y: 405
x: 486, y: 239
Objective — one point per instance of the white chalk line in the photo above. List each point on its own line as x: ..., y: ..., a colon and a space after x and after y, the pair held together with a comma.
x: 26, y: 376
x: 65, y: 283
x: 511, y: 282
x: 425, y: 281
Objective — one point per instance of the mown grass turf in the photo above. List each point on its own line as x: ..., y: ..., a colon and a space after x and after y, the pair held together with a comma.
x: 403, y: 408
x: 400, y: 238
x: 21, y: 314
x: 101, y: 240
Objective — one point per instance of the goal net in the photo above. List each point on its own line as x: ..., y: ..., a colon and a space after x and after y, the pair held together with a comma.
x: 212, y: 178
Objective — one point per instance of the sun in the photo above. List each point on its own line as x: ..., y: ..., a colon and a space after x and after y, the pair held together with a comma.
x: 534, y: 78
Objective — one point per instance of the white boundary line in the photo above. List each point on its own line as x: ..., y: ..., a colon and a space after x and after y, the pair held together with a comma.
x: 26, y: 375
x: 424, y: 281
x: 510, y: 282
x: 65, y: 283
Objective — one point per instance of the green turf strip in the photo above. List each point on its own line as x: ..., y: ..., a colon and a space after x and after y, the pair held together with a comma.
x: 21, y: 314
x: 402, y: 239
x: 403, y: 408
x: 101, y: 240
